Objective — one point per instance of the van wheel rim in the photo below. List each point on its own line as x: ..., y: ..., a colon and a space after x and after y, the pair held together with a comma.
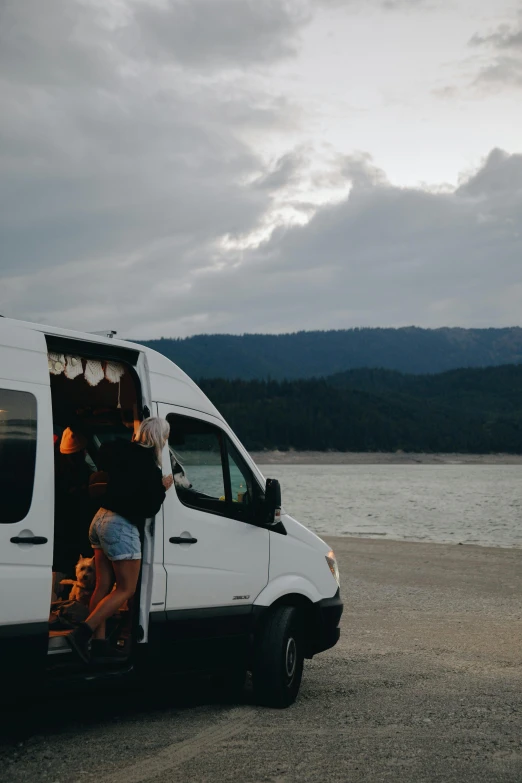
x: 290, y: 658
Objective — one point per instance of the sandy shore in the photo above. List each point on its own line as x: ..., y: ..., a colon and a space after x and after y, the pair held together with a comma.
x: 380, y: 458
x: 425, y: 686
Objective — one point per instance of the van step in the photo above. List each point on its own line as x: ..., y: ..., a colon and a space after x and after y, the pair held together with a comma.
x: 58, y: 644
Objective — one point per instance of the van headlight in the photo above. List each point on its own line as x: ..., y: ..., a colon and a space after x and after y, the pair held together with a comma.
x: 332, y: 565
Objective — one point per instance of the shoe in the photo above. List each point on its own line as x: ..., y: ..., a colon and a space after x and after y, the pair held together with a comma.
x: 102, y: 651
x: 80, y: 641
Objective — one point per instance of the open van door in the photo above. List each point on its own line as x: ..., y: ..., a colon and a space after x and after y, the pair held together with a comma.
x: 26, y: 507
x: 216, y: 557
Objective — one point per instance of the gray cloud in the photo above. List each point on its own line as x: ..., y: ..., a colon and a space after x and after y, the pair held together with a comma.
x: 504, y: 65
x: 504, y: 38
x: 383, y: 256
x: 103, y: 156
x: 506, y: 71
x: 387, y: 255
x: 387, y: 5
x: 286, y: 171
x: 130, y: 188
x: 210, y: 34
x: 120, y: 176
x: 400, y: 4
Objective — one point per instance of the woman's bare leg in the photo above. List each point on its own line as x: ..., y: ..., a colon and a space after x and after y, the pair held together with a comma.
x: 104, y: 582
x: 127, y: 573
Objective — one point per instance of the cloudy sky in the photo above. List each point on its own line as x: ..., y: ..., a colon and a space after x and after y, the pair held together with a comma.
x: 172, y: 167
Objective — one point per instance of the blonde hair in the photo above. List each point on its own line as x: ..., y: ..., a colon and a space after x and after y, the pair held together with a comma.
x: 152, y: 434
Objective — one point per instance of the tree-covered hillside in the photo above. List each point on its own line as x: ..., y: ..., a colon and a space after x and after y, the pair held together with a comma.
x: 468, y: 411
x: 314, y: 354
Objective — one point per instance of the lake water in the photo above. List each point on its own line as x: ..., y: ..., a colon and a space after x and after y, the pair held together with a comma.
x: 479, y: 504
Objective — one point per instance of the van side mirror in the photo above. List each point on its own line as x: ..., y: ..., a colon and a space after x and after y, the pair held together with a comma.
x: 272, y: 504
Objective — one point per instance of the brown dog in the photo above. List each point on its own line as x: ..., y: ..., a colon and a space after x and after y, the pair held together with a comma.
x: 83, y: 585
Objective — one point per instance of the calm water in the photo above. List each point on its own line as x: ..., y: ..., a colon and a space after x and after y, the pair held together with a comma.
x: 479, y: 504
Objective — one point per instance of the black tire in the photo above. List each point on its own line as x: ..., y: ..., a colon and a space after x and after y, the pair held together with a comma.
x: 278, y: 659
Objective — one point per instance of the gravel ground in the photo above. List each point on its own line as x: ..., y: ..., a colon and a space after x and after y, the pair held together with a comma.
x: 425, y: 685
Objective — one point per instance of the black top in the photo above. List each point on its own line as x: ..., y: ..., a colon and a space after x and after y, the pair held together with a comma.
x: 135, y: 488
x: 74, y: 509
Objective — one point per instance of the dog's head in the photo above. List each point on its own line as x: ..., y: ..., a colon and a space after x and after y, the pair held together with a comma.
x: 178, y: 474
x: 86, y: 572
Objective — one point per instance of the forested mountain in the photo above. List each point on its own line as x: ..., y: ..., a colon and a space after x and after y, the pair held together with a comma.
x: 489, y: 389
x: 314, y: 354
x: 468, y: 411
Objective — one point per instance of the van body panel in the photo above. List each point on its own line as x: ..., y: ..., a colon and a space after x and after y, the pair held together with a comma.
x: 26, y: 568
x: 70, y: 333
x: 180, y: 392
x: 287, y: 584
x: 228, y: 566
x: 173, y: 386
x: 23, y: 355
x: 299, y: 558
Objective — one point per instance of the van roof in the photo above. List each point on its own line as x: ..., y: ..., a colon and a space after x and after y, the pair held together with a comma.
x: 168, y: 375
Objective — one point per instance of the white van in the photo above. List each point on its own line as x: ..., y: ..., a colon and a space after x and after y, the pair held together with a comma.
x: 230, y: 583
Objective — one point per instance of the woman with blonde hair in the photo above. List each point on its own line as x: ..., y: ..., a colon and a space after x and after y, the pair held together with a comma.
x: 135, y: 491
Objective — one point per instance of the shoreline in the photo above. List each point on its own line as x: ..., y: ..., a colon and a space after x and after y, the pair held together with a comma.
x: 383, y: 538
x: 395, y: 544
x: 379, y: 458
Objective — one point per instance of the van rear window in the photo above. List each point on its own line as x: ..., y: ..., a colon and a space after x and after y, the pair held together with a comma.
x: 17, y: 454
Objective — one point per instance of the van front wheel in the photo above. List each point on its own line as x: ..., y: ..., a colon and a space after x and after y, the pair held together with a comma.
x: 278, y: 659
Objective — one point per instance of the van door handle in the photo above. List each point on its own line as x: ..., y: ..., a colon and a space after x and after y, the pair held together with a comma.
x: 181, y: 540
x: 29, y: 540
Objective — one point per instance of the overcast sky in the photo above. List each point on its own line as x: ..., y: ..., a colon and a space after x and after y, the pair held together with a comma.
x: 172, y: 167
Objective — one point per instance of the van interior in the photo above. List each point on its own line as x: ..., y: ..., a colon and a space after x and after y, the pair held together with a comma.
x: 94, y: 399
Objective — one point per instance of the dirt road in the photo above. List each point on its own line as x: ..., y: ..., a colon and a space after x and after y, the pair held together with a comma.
x: 425, y: 685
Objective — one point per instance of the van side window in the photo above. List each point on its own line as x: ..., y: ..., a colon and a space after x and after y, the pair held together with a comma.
x: 17, y: 454
x: 244, y: 488
x: 209, y: 472
x: 196, y: 453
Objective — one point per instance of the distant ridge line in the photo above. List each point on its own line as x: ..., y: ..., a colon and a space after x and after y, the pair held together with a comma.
x: 407, y: 327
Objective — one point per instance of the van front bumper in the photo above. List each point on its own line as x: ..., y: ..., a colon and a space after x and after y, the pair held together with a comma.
x: 327, y: 632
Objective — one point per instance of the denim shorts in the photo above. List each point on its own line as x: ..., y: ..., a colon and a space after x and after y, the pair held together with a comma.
x: 115, y: 536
